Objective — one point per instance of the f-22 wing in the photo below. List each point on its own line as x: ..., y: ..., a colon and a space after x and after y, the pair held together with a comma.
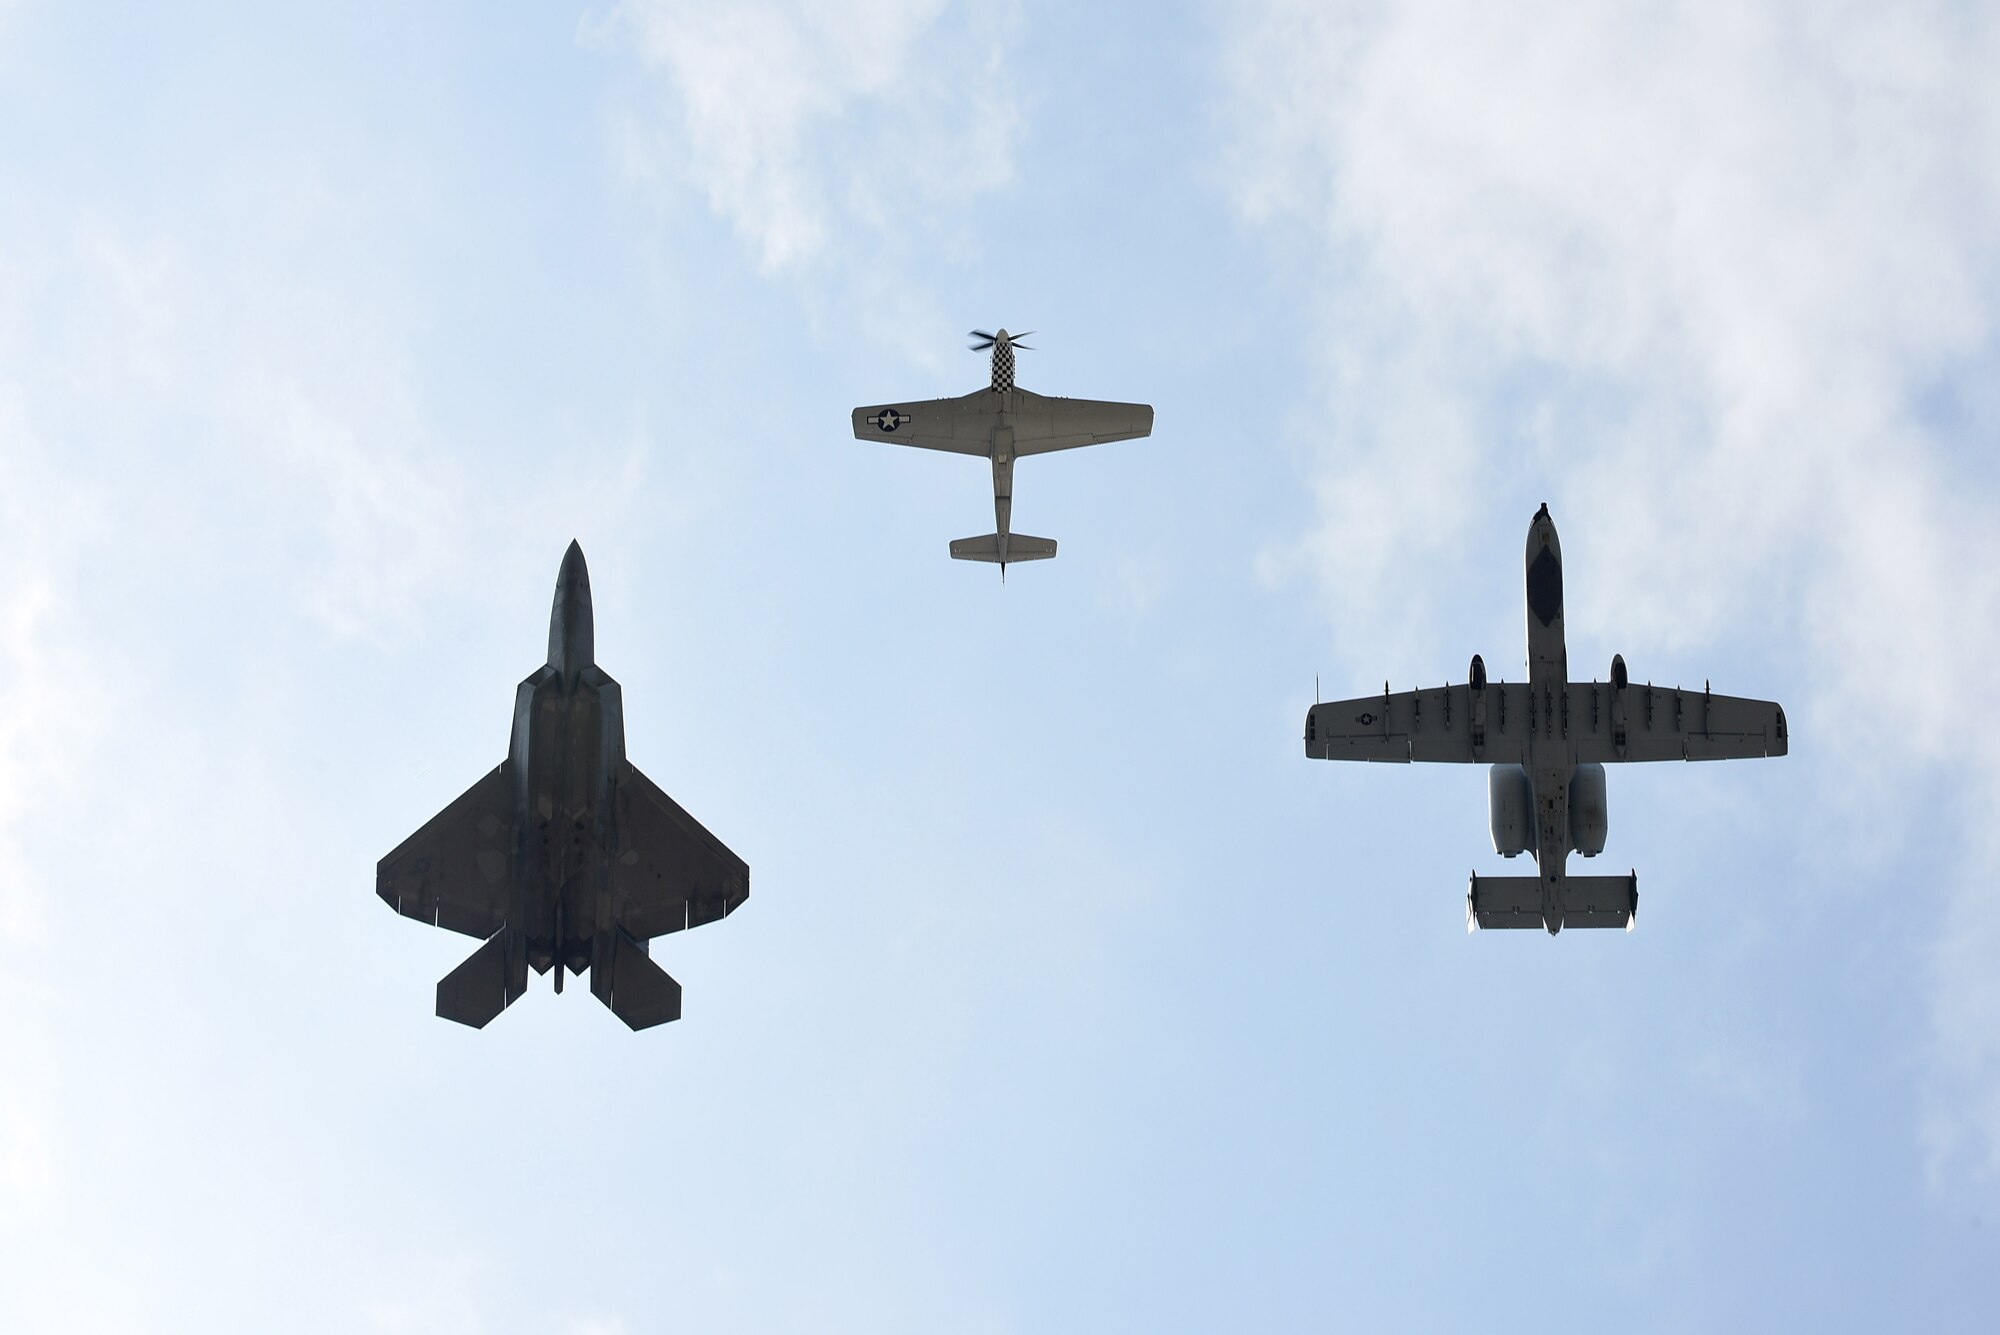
x: 456, y: 871
x: 673, y: 874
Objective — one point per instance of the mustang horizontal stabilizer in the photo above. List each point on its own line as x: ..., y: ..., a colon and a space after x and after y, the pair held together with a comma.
x: 1020, y: 547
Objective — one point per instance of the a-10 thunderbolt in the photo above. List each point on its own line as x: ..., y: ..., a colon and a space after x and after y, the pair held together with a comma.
x: 1548, y: 741
x: 565, y: 856
x: 1003, y: 423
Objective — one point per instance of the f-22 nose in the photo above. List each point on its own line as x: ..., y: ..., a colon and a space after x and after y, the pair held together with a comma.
x: 571, y: 647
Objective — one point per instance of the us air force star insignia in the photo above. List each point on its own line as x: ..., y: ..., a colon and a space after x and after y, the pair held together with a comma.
x: 1364, y: 719
x: 888, y: 419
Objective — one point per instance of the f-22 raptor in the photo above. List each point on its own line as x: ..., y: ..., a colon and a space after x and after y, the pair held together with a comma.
x: 1548, y: 741
x: 564, y: 856
x: 1003, y: 423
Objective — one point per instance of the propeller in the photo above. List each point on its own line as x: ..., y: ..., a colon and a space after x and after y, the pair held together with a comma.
x: 987, y: 340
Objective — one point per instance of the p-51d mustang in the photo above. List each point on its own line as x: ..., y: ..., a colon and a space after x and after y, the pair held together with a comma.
x: 1003, y: 423
x: 1548, y: 742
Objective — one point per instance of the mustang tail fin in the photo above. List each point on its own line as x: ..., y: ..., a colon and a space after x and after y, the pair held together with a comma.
x: 638, y: 991
x: 477, y: 989
x: 1587, y: 901
x: 1020, y: 547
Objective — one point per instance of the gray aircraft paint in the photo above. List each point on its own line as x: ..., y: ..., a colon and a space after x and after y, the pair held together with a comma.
x: 1547, y: 740
x: 1004, y: 423
x: 564, y: 855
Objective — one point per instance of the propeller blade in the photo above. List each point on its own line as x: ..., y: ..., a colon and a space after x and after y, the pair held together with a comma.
x: 979, y: 347
x: 1022, y: 346
x: 1015, y: 339
x: 980, y: 333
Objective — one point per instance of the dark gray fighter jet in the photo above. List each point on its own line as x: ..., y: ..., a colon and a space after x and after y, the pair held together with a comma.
x: 564, y: 854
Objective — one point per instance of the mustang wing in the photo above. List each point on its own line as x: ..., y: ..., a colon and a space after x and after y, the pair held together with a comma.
x: 961, y: 426
x: 1043, y: 424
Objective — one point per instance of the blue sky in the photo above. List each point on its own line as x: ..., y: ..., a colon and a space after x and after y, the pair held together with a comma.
x: 1070, y: 996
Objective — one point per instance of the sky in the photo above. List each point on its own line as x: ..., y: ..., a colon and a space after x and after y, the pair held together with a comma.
x: 1069, y: 996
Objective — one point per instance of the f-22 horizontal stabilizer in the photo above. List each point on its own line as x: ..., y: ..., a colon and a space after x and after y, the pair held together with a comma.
x: 476, y: 990
x: 638, y: 991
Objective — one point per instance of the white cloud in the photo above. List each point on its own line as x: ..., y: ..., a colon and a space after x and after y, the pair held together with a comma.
x: 284, y: 400
x: 52, y: 719
x: 161, y: 419
x: 797, y: 120
x: 595, y: 1325
x: 840, y: 142
x: 1701, y: 274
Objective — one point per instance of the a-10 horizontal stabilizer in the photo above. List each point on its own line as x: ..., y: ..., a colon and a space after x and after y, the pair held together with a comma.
x: 476, y: 990
x: 1601, y: 901
x: 1503, y: 901
x: 1516, y: 901
x: 1020, y: 547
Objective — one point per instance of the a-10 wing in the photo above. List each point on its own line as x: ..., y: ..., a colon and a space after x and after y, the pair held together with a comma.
x: 1495, y: 725
x: 1041, y: 424
x: 1610, y: 724
x: 1442, y: 723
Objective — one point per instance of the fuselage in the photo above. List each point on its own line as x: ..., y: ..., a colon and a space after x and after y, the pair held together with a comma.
x: 1002, y: 448
x: 568, y: 741
x: 1551, y: 756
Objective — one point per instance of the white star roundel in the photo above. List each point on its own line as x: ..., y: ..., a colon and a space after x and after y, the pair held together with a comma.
x: 888, y: 419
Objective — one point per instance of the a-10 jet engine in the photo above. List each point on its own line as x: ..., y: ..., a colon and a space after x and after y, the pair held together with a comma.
x: 1510, y: 794
x: 1510, y: 800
